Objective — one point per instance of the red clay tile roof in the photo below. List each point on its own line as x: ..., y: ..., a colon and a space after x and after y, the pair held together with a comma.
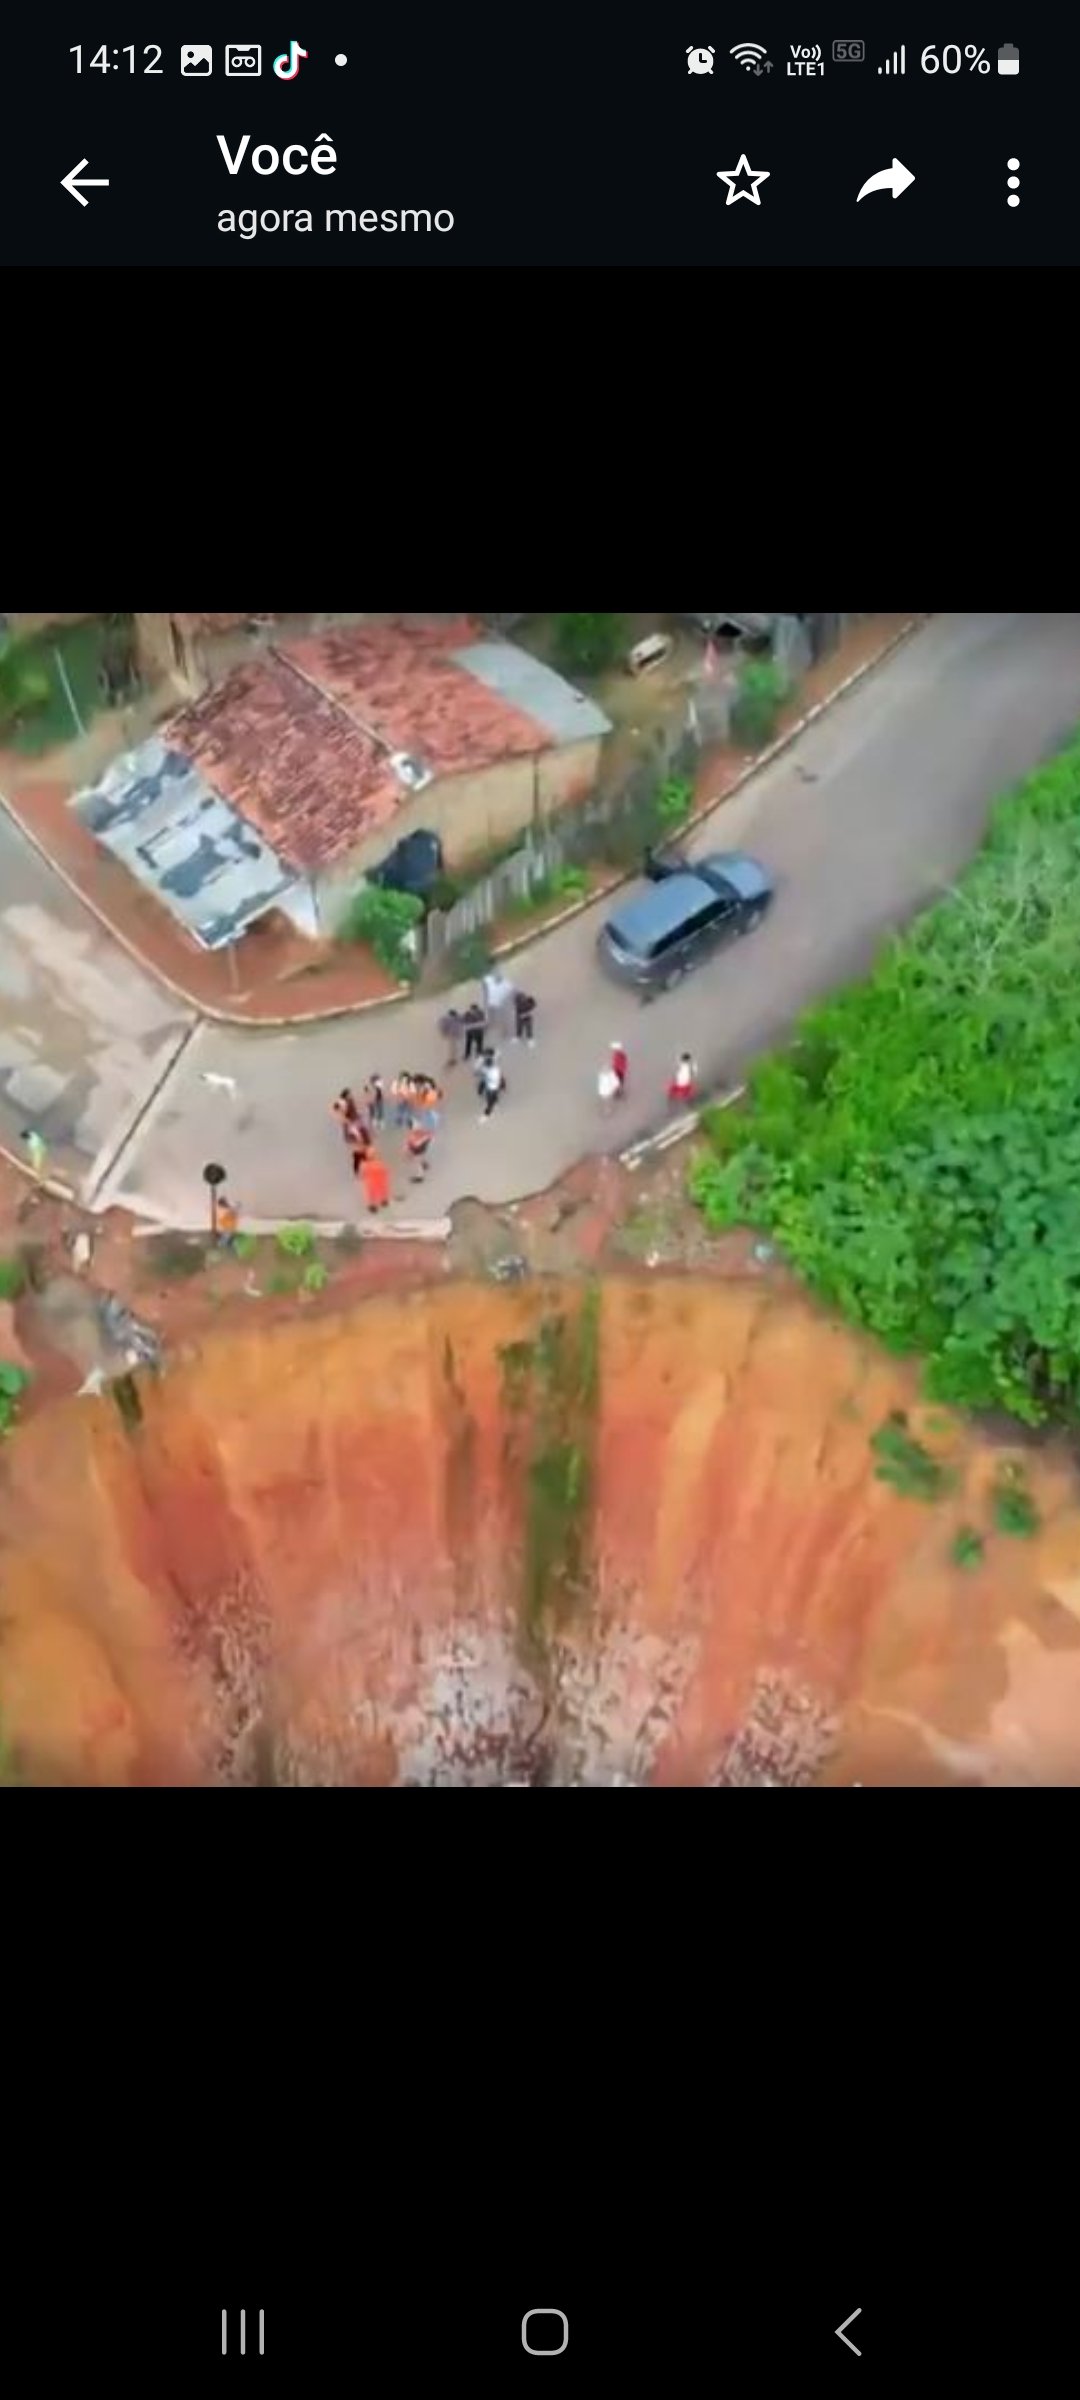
x: 401, y: 681
x: 298, y: 740
x: 289, y: 762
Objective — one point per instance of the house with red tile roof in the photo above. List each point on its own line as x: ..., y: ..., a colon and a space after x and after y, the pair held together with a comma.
x: 324, y: 748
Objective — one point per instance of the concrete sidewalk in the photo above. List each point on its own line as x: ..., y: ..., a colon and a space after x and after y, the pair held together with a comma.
x: 874, y: 809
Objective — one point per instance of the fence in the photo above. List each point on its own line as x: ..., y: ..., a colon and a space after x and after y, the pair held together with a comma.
x: 612, y: 827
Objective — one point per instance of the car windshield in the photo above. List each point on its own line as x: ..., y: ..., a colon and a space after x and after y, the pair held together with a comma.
x: 719, y: 884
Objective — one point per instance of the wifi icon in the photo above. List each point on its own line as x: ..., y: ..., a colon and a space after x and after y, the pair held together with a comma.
x: 749, y: 54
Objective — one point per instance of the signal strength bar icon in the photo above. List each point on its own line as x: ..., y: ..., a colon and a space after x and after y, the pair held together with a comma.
x: 897, y: 64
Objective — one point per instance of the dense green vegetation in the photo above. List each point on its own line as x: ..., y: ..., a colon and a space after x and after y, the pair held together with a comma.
x: 585, y: 645
x: 916, y: 1150
x: 384, y: 919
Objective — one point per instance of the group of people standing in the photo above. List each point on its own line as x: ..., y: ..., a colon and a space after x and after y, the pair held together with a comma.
x: 416, y: 1101
x: 472, y: 1036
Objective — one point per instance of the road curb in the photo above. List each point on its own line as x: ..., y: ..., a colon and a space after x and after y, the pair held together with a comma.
x: 654, y: 1144
x: 404, y: 1229
x: 522, y: 941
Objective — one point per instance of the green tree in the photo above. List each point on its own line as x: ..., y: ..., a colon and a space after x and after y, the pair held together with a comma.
x: 760, y: 696
x: 588, y: 645
x: 24, y: 683
x: 384, y: 919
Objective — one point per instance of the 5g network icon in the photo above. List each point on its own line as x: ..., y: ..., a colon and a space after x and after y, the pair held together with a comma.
x: 848, y: 53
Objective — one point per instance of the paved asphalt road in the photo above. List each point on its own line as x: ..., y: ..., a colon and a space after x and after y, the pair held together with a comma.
x: 85, y: 1036
x: 861, y: 823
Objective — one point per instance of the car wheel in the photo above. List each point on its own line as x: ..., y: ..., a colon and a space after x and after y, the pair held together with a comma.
x: 751, y: 921
x: 675, y: 977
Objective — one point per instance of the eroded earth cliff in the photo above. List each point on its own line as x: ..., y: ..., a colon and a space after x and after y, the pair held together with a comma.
x: 580, y: 1532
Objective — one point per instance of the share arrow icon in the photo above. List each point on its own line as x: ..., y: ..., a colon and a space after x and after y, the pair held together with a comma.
x: 894, y: 179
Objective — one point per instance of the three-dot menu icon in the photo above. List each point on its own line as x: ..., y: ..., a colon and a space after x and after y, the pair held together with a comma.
x: 1014, y: 182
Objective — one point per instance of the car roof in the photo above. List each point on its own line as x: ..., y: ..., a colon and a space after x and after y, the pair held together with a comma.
x: 660, y: 909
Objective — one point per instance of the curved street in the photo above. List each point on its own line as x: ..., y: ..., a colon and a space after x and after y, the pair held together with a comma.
x: 874, y: 808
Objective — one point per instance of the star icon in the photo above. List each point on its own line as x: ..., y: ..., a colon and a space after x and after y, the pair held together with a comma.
x: 746, y: 177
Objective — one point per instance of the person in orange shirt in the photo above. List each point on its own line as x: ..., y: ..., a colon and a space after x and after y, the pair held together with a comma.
x: 228, y: 1223
x: 375, y: 1177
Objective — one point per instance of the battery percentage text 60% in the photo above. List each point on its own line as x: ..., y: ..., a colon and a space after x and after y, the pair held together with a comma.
x: 953, y: 59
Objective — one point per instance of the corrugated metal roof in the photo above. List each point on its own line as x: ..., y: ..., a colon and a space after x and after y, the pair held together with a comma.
x: 153, y: 811
x: 528, y: 684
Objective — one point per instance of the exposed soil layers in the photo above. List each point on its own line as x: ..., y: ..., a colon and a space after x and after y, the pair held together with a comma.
x: 624, y: 1531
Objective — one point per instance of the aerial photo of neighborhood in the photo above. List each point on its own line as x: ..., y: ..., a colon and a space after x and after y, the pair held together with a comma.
x: 539, y: 1200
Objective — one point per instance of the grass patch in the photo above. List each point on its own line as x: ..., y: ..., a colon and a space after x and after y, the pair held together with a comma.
x: 295, y: 1241
x: 968, y: 1548
x: 13, y: 1383
x: 905, y: 1463
x: 12, y: 1278
x: 1011, y: 1504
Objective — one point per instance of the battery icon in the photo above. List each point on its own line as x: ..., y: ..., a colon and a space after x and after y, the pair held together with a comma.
x: 1008, y: 59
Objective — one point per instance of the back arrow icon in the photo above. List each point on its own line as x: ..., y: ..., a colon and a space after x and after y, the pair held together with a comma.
x: 71, y: 182
x: 856, y: 2312
x: 894, y: 179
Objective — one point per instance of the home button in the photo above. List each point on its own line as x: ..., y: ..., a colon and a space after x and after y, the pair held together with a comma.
x: 545, y: 2332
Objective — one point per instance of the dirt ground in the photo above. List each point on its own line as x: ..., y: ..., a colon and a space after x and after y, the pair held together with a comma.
x: 598, y: 1217
x: 327, y: 1547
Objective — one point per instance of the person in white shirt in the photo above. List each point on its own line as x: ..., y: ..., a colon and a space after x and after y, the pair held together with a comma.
x: 683, y: 1085
x: 498, y: 998
x: 490, y: 1084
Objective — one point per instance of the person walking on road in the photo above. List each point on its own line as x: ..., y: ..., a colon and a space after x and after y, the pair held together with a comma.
x: 498, y: 999
x: 607, y: 1088
x: 682, y: 1089
x: 475, y: 1027
x: 418, y: 1145
x: 525, y: 1018
x: 620, y: 1066
x: 490, y: 1084
x: 346, y: 1111
x: 37, y: 1151
x: 375, y: 1097
x: 452, y: 1029
x: 401, y: 1093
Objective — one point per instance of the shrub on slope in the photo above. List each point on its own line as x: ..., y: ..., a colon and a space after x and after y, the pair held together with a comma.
x: 916, y: 1150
